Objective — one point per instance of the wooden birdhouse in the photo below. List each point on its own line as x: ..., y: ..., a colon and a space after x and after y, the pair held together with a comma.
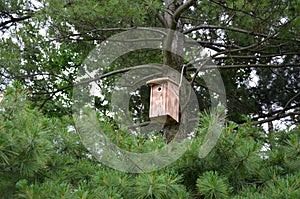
x: 164, y: 100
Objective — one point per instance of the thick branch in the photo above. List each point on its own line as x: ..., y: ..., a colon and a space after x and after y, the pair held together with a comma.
x: 179, y: 11
x: 173, y: 27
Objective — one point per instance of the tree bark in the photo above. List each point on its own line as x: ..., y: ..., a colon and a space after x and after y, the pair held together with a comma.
x: 174, y: 56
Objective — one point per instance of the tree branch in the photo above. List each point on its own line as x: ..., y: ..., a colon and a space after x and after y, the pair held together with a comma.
x: 40, y: 74
x: 246, y: 47
x: 257, y: 56
x: 224, y: 28
x: 14, y: 20
x: 112, y: 30
x: 115, y: 72
x: 290, y: 101
x: 162, y: 20
x: 173, y: 25
x: 276, y: 117
x: 220, y: 67
x: 179, y: 11
x: 199, y: 69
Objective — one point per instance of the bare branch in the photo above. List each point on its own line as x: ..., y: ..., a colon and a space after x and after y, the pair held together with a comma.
x: 247, y: 47
x: 257, y: 56
x: 275, y: 117
x: 199, y: 69
x: 210, y: 67
x: 14, y: 20
x: 223, y: 5
x: 112, y: 30
x: 162, y: 20
x: 291, y: 100
x: 135, y: 40
x: 225, y: 28
x: 115, y: 72
x: 41, y: 74
x: 138, y: 125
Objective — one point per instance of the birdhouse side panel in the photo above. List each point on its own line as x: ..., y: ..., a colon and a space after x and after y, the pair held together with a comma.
x: 173, y: 108
x: 173, y: 101
x: 157, y: 101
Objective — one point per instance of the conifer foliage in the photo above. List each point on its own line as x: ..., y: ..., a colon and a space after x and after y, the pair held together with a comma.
x: 42, y: 157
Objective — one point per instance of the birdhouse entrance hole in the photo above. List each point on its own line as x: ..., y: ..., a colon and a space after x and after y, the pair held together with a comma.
x: 159, y: 89
x: 164, y: 100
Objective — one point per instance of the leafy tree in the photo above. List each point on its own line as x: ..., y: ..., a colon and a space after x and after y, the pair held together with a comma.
x: 246, y: 40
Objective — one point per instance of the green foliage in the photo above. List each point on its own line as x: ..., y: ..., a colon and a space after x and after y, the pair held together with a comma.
x: 34, y: 148
x: 43, y: 157
x: 211, y: 185
x: 23, y: 139
x: 242, y: 164
x: 92, y: 15
x: 46, y: 49
x: 165, y: 185
x: 283, y: 187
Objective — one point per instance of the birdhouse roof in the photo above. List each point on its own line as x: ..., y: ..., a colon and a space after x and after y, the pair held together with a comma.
x: 160, y: 81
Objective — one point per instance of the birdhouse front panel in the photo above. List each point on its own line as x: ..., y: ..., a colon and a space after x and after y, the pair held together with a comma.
x: 158, y: 100
x: 164, y: 100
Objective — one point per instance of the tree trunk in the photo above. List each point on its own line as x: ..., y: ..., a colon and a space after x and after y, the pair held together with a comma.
x: 173, y: 55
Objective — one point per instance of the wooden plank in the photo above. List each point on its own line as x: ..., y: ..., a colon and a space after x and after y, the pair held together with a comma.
x: 164, y: 100
x: 157, y: 101
x: 173, y: 102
